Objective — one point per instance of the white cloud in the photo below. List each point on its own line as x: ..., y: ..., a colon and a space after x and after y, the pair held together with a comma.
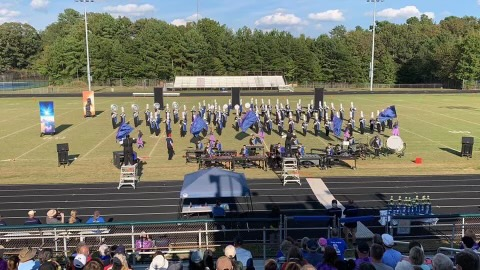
x: 184, y: 21
x: 280, y: 18
x: 130, y: 10
x: 334, y: 15
x: 403, y: 13
x: 39, y: 4
x: 7, y: 15
x: 478, y: 2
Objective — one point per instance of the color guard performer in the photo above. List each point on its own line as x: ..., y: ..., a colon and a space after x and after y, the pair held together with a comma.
x: 291, y: 125
x: 316, y: 127
x: 304, y: 128
x: 147, y: 116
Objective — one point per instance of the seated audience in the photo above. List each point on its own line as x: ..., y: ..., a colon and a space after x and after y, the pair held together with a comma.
x: 231, y: 253
x: 32, y: 220
x: 159, y: 263
x: 467, y: 242
x: 417, y: 258
x: 391, y: 256
x: 337, y: 243
x: 243, y: 255
x: 13, y: 262
x: 466, y: 260
x: 471, y: 234
x: 224, y: 263
x: 96, y: 218
x: 404, y: 265
x: 145, y: 243
x: 376, y: 255
x: 74, y: 217
x: 270, y: 264
x: 195, y: 261
x: 55, y: 217
x: 312, y: 256
x: 441, y: 262
x: 362, y: 252
x: 27, y: 261
x: 329, y: 259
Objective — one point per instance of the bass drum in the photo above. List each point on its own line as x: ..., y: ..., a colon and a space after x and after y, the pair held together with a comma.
x: 395, y: 143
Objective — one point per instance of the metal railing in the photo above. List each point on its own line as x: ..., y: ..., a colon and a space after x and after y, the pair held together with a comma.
x: 263, y: 236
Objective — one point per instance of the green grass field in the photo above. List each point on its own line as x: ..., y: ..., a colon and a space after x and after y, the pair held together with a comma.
x: 431, y: 125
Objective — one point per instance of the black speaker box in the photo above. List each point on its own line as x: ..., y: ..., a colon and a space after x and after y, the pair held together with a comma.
x: 62, y: 158
x: 235, y: 96
x: 158, y: 96
x: 62, y: 147
x: 118, y: 159
x: 318, y: 97
x: 467, y: 150
x: 467, y: 140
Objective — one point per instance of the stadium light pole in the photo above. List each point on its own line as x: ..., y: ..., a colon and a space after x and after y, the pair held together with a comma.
x: 89, y: 78
x: 373, y: 41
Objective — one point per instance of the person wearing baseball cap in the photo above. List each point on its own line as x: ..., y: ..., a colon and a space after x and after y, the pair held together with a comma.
x: 32, y: 220
x: 391, y: 256
x: 27, y: 261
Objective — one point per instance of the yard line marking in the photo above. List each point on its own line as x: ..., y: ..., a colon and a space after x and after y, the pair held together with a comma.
x: 155, y: 146
x: 97, y: 145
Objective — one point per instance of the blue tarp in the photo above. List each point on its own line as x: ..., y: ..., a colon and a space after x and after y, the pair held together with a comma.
x: 214, y: 183
x: 198, y: 125
x: 249, y: 120
x: 337, y: 126
x: 123, y: 131
x: 388, y: 113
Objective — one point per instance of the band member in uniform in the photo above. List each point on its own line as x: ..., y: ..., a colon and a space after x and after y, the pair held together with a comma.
x: 114, y: 119
x: 316, y: 127
x: 362, y: 125
x: 298, y: 113
x: 304, y: 128
x: 372, y: 125
x: 236, y: 124
x: 199, y: 145
x: 135, y: 118
x: 175, y: 115
x: 350, y: 126
x: 158, y: 120
x: 244, y: 151
x: 152, y: 123
x: 218, y: 145
x: 327, y: 127
x: 183, y: 128
x: 288, y: 144
x: 376, y: 144
x: 383, y: 126
x: 329, y: 155
x: 378, y: 125
x: 169, y: 141
x: 147, y: 117
x: 280, y: 127
x: 123, y: 116
x: 253, y: 140
x: 291, y: 125
x: 390, y: 123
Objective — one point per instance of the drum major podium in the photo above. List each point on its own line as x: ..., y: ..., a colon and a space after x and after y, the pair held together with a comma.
x: 128, y: 176
x: 290, y: 171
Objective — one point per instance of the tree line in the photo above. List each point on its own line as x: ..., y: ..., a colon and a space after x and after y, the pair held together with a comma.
x: 417, y: 51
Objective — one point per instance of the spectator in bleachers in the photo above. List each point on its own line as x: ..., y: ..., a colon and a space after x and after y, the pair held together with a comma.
x: 113, y: 251
x: 93, y: 265
x: 442, y: 262
x: 145, y: 243
x: 284, y: 248
x: 335, y: 212
x: 470, y: 233
x: 96, y: 218
x: 45, y: 256
x: 104, y: 255
x: 2, y: 222
x: 3, y: 263
x: 27, y: 261
x: 337, y: 243
x: 74, y: 217
x: 195, y: 261
x: 55, y: 217
x: 231, y: 253
x: 32, y: 220
x: 405, y: 265
x: 224, y: 263
x: 312, y: 256
x: 270, y: 264
x: 208, y: 261
x: 350, y: 228
x: 329, y: 259
x: 391, y: 256
x: 295, y: 255
x: 322, y: 242
x: 376, y: 254
x: 123, y: 260
x: 82, y: 256
x: 292, y: 266
x: 13, y: 262
x: 308, y: 267
x: 362, y: 251
x: 467, y: 242
x: 417, y: 258
x: 377, y: 239
x: 303, y: 245
x: 243, y: 255
x: 116, y: 264
x: 366, y: 266
x: 466, y: 260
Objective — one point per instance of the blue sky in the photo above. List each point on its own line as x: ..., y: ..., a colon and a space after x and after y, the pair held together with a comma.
x: 312, y: 17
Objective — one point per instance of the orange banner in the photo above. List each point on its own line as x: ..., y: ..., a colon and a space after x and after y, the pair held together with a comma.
x: 88, y: 104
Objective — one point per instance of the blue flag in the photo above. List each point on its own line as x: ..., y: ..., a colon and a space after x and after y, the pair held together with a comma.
x: 249, y: 120
x: 123, y: 131
x: 337, y: 126
x: 388, y: 113
x: 198, y: 125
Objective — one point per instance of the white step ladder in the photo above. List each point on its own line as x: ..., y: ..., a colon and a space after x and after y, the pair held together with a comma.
x: 128, y: 176
x: 290, y: 171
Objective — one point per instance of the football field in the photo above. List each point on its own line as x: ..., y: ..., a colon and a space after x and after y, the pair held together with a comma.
x: 431, y: 125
